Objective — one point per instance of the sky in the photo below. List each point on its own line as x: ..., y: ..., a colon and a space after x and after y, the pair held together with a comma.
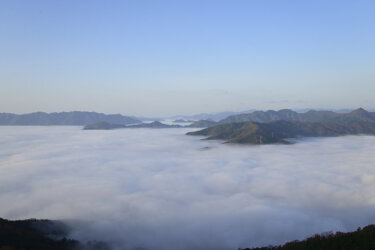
x: 160, y: 57
x: 181, y: 197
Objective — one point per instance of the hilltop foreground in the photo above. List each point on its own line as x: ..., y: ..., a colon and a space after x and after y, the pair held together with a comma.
x: 362, y: 239
x: 35, y: 234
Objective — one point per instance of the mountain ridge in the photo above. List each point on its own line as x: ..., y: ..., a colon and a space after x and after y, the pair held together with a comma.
x: 281, y: 131
x: 359, y: 114
x: 78, y: 118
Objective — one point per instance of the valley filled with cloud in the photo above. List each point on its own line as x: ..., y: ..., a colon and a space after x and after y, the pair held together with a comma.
x: 160, y: 189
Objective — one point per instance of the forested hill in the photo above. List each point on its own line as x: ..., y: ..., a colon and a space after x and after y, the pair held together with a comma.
x: 50, y: 235
x: 279, y: 131
x: 35, y: 234
x: 362, y: 239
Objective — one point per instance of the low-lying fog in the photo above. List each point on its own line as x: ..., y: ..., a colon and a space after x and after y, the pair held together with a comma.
x: 159, y: 189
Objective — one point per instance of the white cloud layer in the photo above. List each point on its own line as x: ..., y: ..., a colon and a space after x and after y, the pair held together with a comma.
x: 158, y: 189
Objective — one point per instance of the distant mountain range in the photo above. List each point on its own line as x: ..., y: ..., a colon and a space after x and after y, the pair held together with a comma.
x: 64, y: 118
x: 309, y: 116
x: 258, y: 117
x: 290, y: 115
x: 222, y: 115
x: 280, y: 131
x: 264, y: 127
x: 210, y: 116
x: 154, y: 124
x: 117, y: 120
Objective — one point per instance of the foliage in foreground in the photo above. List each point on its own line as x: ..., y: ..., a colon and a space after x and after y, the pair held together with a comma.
x: 35, y: 234
x: 362, y: 239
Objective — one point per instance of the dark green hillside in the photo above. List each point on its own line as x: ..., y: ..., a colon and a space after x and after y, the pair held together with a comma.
x: 279, y: 131
x: 362, y: 239
x: 35, y: 234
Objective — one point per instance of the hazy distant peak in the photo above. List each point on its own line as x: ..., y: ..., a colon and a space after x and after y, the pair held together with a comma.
x: 360, y: 111
x: 64, y: 118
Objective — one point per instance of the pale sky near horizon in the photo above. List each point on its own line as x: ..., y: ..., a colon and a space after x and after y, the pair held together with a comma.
x: 157, y: 58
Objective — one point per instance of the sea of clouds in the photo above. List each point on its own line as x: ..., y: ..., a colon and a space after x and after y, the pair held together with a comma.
x: 160, y: 189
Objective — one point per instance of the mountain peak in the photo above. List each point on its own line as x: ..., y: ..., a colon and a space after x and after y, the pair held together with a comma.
x: 360, y: 111
x: 360, y: 114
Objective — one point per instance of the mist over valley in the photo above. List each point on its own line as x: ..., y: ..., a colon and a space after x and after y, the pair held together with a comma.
x: 161, y: 189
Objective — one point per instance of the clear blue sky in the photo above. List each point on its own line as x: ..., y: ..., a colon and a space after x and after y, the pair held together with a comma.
x: 180, y: 57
